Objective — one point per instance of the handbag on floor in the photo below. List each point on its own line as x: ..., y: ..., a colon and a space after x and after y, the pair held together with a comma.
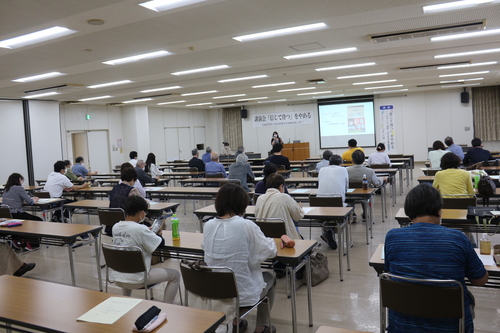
x: 319, y: 268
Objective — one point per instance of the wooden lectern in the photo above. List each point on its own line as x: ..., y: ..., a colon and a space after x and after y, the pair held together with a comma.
x: 296, y: 151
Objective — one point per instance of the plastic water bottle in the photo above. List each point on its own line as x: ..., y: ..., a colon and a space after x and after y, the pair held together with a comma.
x: 477, y: 178
x: 175, y: 228
x: 485, y: 245
x: 365, y: 182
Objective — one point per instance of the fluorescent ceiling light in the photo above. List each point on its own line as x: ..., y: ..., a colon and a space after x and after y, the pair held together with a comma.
x: 466, y: 35
x: 329, y: 96
x: 389, y: 91
x: 199, y: 104
x: 296, y: 89
x: 38, y: 77
x: 35, y: 37
x: 460, y: 85
x: 463, y: 80
x: 315, y: 93
x: 450, y: 55
x: 361, y: 75
x: 273, y: 85
x: 138, y: 100
x: 109, y: 84
x: 459, y: 74
x: 228, y: 96
x: 160, y: 89
x: 173, y: 102
x: 251, y: 99
x: 373, y: 82
x: 138, y: 57
x: 345, y: 66
x: 243, y: 78
x: 44, y: 94
x: 320, y: 53
x: 276, y: 100
x: 221, y: 105
x: 469, y: 65
x: 200, y: 93
x: 453, y: 5
x: 384, y: 87
x: 281, y: 32
x: 94, y: 98
x: 162, y: 5
x: 199, y: 70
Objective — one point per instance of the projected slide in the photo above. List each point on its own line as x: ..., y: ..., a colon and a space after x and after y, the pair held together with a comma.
x: 339, y: 122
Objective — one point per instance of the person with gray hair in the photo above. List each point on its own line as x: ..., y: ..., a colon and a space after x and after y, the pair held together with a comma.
x: 241, y: 150
x: 142, y: 176
x: 242, y: 171
x: 214, y: 167
x: 195, y: 162
x: 325, y: 161
x: 207, y: 158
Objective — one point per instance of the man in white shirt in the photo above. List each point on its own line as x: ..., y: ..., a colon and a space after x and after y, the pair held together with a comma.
x: 57, y: 183
x: 133, y: 158
x: 325, y: 161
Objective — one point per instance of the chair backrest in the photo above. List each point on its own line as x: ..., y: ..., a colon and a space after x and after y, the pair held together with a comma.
x: 232, y: 181
x: 329, y: 201
x: 428, y: 298
x: 256, y: 197
x: 5, y: 211
x: 271, y: 227
x: 210, y: 282
x: 110, y: 216
x: 314, y: 174
x: 458, y: 202
x: 192, y: 169
x: 42, y: 194
x: 355, y: 184
x: 124, y: 259
x: 380, y: 166
x: 214, y: 175
x: 281, y: 167
x: 431, y: 172
x: 396, y: 155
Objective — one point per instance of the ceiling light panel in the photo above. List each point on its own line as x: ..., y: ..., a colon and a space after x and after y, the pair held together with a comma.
x: 251, y: 99
x: 228, y: 96
x: 197, y: 104
x: 389, y: 91
x: 116, y: 83
x: 163, y: 5
x: 138, y: 57
x: 173, y: 102
x: 200, y: 93
x: 137, y: 100
x: 199, y: 70
x: 384, y: 87
x: 315, y: 93
x: 38, y: 77
x: 450, y: 55
x: 281, y: 32
x: 454, y: 5
x: 460, y: 74
x: 469, y: 65
x: 320, y: 53
x: 273, y: 84
x: 296, y: 89
x: 361, y: 75
x: 345, y: 66
x: 461, y: 85
x: 373, y: 82
x: 43, y: 94
x: 466, y: 35
x: 243, y: 78
x: 35, y: 37
x: 276, y: 100
x: 463, y: 80
x: 94, y: 98
x: 160, y: 89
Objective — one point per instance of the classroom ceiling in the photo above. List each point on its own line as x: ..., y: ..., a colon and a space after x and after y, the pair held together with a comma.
x: 200, y: 35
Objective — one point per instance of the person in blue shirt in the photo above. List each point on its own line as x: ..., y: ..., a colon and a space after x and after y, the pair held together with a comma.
x: 477, y: 153
x: 207, y: 157
x: 80, y: 170
x: 455, y: 149
x: 428, y: 250
x: 214, y: 167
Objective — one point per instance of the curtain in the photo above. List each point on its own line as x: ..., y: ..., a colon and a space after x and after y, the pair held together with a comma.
x: 231, y: 127
x: 486, y: 110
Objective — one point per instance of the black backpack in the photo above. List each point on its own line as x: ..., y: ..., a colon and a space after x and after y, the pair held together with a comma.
x: 486, y: 187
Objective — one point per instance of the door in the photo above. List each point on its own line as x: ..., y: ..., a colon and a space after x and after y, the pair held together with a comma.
x: 171, y: 143
x: 185, y: 145
x: 98, y: 146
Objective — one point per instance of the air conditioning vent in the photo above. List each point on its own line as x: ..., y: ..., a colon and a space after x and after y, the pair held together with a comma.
x: 71, y: 102
x: 316, y: 81
x: 433, y: 66
x: 428, y: 32
x: 63, y: 88
x: 115, y: 104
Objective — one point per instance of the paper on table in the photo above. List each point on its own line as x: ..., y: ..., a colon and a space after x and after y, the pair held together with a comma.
x: 349, y: 190
x: 301, y: 191
x: 307, y: 209
x: 152, y: 188
x: 110, y: 310
x: 382, y: 255
x: 45, y: 200
x: 487, y: 259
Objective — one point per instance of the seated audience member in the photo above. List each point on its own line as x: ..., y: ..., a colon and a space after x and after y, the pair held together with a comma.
x: 195, y: 162
x: 223, y: 237
x: 427, y: 250
x: 276, y: 203
x: 15, y: 196
x: 207, y: 157
x: 226, y: 150
x: 242, y: 171
x: 353, y: 146
x: 80, y: 170
x: 241, y: 150
x: 357, y: 171
x: 325, y: 161
x: 137, y: 184
x: 379, y: 157
x: 456, y: 149
x: 133, y: 158
x: 477, y: 153
x: 451, y: 180
x: 131, y: 233
x: 332, y: 180
x: 214, y: 167
x: 69, y: 172
x: 269, y: 169
x: 142, y: 176
x: 57, y: 183
x: 151, y: 168
x: 11, y: 264
x: 277, y: 158
x: 436, y: 154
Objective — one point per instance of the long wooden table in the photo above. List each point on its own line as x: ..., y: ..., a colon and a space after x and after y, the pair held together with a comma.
x: 50, y: 307
x: 45, y: 205
x: 58, y: 234
x: 189, y: 246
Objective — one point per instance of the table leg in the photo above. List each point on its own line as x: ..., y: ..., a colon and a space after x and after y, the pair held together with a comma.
x: 368, y: 221
x: 309, y: 290
x: 70, y: 213
x: 400, y: 170
x: 71, y: 265
x: 393, y: 190
x: 291, y: 276
x: 383, y: 200
x: 341, y: 251
x: 407, y: 167
x: 97, y: 259
x: 371, y: 216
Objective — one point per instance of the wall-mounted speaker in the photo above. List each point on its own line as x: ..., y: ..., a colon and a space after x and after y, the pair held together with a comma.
x: 464, y: 97
x: 244, y: 113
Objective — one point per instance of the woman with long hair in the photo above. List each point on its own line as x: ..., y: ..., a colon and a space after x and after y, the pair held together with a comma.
x: 15, y: 196
x: 151, y: 168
